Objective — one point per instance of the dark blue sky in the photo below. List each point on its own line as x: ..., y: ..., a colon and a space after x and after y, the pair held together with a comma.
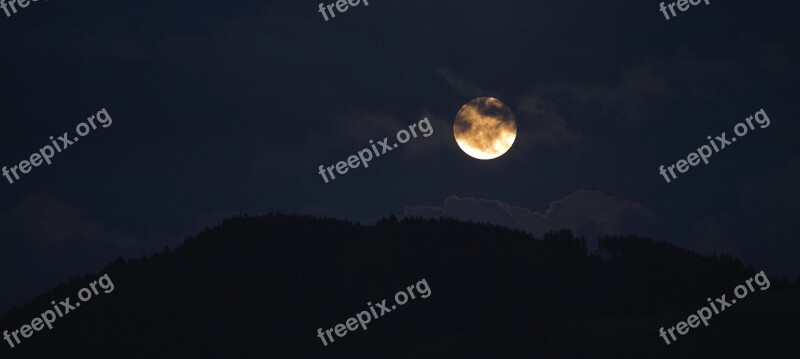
x: 226, y: 107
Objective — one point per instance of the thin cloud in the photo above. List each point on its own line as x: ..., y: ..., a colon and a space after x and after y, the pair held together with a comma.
x: 587, y: 213
x: 461, y: 84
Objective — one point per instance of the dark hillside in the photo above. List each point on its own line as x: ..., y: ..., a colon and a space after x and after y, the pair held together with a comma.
x: 260, y: 287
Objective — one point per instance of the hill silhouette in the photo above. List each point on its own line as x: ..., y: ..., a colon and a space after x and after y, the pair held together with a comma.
x: 260, y: 287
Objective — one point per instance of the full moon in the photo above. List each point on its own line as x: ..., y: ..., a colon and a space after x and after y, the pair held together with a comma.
x: 485, y: 128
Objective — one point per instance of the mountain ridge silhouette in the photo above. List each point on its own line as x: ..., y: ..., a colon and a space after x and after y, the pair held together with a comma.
x: 262, y: 286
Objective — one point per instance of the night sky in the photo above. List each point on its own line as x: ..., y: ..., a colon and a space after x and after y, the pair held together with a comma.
x: 221, y: 108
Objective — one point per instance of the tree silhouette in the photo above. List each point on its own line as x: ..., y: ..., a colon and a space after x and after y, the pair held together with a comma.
x: 261, y: 286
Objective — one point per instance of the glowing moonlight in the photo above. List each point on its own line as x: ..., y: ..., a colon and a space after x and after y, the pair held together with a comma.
x: 485, y: 128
